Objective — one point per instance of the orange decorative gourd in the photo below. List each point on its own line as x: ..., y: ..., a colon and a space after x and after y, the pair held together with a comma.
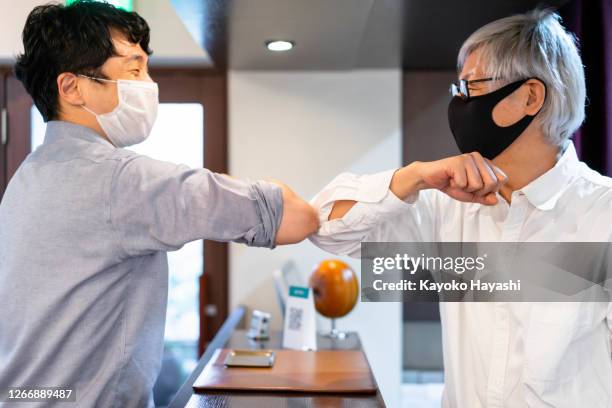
x: 335, y: 288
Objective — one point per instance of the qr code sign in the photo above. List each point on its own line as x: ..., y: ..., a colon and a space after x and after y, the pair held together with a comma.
x: 295, y: 318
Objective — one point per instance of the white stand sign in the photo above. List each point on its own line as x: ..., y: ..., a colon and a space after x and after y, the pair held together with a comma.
x: 300, y: 328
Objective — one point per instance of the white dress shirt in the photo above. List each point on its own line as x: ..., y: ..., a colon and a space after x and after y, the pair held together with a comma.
x: 498, y: 354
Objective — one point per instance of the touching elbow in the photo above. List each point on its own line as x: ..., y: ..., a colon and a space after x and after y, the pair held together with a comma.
x: 311, y: 220
x: 299, y: 221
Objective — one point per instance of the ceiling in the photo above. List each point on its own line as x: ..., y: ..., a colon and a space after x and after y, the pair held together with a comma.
x: 434, y: 30
x: 341, y: 34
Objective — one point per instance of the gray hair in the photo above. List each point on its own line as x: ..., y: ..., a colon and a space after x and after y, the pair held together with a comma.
x: 536, y: 45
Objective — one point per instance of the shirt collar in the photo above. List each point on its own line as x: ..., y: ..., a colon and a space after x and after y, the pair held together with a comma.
x: 544, y: 191
x: 59, y: 129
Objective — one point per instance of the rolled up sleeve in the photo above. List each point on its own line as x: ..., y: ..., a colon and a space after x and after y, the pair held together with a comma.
x: 156, y: 205
x: 269, y: 208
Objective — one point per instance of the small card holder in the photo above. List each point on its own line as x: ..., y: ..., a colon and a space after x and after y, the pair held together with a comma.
x: 249, y: 358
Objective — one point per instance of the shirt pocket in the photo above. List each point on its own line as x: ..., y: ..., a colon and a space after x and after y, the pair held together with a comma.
x: 553, y: 328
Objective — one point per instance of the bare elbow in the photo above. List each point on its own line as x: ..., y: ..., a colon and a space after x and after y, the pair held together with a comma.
x: 311, y: 221
x: 299, y: 220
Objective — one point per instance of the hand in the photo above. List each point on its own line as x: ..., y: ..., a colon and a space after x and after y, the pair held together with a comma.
x: 468, y: 177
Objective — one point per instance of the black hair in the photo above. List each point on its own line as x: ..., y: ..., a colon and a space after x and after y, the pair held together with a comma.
x: 74, y: 38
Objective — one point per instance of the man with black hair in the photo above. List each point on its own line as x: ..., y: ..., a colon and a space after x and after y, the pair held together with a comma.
x: 85, y: 224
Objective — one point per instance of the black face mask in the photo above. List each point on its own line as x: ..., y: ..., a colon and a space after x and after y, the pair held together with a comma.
x: 471, y: 122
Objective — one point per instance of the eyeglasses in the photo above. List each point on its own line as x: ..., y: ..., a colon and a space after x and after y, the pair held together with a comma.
x: 463, y: 90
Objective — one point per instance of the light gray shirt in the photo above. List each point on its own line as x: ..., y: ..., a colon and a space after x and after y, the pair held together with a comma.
x: 84, y: 230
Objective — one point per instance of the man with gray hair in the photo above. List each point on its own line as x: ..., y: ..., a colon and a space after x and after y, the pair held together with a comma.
x: 520, y: 96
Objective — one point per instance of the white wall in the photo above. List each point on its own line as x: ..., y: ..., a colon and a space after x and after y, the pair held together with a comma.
x: 13, y: 15
x: 170, y: 40
x: 304, y: 128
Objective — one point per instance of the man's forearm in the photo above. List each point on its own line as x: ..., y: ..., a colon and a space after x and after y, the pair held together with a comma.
x: 405, y: 182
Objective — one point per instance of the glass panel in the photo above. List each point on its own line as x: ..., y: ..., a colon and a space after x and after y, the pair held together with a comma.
x: 37, y: 128
x: 178, y: 136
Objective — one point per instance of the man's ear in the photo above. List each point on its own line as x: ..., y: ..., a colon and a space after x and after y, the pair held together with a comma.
x: 536, y: 96
x: 68, y: 89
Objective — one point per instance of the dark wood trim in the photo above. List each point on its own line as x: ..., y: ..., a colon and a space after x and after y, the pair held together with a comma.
x: 3, y: 179
x: 202, y: 305
x: 209, y: 88
x: 216, y: 307
x: 18, y: 105
x: 216, y: 254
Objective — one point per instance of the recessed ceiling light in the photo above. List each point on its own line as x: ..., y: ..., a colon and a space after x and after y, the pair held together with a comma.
x: 279, y: 45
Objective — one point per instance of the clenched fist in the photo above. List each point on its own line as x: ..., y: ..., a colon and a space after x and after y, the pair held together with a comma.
x: 468, y: 177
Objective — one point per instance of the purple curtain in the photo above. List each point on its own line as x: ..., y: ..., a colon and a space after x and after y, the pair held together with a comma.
x: 591, y: 22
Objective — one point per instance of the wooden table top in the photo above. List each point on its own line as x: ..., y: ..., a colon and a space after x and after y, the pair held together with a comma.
x: 232, y: 338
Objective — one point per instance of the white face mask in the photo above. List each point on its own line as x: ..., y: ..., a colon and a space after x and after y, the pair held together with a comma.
x: 132, y: 120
